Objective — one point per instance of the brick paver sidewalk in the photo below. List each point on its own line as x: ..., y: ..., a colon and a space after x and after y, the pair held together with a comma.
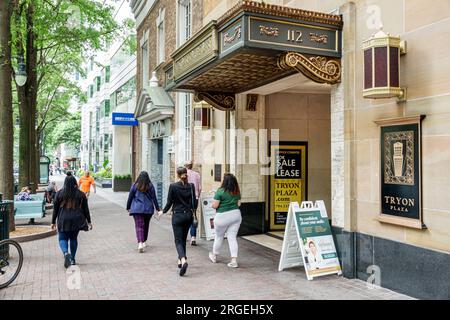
x: 111, y: 268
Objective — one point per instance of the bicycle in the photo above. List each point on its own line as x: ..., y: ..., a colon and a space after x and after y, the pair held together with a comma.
x: 11, y: 260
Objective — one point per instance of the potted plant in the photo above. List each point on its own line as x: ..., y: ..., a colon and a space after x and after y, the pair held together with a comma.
x: 122, y: 182
x: 103, y: 178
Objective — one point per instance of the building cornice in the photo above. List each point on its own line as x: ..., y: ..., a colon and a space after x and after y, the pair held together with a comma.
x: 280, y: 11
x: 141, y: 8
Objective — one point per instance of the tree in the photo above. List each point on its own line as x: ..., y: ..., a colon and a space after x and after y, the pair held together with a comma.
x: 54, y: 36
x: 67, y: 131
x: 6, y: 111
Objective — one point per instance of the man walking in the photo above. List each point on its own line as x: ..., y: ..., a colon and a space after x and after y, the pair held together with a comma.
x: 86, y: 182
x: 194, y: 177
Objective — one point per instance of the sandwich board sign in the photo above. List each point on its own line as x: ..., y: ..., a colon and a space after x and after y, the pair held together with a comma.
x: 308, y: 241
x: 208, y: 215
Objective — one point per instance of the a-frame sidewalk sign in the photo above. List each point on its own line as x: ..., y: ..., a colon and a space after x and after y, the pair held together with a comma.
x: 308, y: 241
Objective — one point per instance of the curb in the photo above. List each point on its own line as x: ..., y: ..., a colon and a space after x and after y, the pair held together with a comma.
x: 36, y: 236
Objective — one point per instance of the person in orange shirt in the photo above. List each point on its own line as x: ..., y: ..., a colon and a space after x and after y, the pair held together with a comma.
x: 86, y: 182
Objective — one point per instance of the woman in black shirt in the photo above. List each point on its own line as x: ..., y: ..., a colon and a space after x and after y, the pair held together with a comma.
x: 70, y: 215
x: 181, y: 198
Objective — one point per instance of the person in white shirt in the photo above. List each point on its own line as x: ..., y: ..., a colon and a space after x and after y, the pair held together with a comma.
x: 194, y: 177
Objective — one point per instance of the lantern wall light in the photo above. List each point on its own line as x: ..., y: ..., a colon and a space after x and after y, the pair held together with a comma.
x: 20, y: 74
x: 382, y: 66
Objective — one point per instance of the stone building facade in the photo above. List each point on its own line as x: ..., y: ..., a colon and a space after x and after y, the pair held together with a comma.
x: 155, y: 146
x: 341, y: 130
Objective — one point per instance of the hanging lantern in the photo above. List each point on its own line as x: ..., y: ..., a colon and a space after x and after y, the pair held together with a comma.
x: 202, y: 116
x: 382, y: 67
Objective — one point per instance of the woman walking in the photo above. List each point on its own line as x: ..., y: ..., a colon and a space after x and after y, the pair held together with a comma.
x: 181, y: 198
x: 70, y: 215
x: 141, y: 205
x: 227, y: 201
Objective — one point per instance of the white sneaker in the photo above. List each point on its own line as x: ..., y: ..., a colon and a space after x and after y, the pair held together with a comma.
x: 232, y: 264
x: 212, y: 257
x: 144, y: 244
x: 140, y: 247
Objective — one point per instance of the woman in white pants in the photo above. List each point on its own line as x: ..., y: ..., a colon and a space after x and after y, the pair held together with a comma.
x: 227, y: 201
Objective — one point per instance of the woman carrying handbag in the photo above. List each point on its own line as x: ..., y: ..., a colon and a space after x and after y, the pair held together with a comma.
x: 181, y: 198
x: 70, y: 216
x: 141, y: 205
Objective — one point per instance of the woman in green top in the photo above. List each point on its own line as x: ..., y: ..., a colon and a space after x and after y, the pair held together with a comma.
x: 227, y: 201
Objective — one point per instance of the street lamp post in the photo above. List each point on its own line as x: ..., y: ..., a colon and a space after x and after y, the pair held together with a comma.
x: 21, y: 73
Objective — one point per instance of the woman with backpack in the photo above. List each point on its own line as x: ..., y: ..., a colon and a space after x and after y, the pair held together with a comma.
x: 141, y: 204
x: 70, y: 215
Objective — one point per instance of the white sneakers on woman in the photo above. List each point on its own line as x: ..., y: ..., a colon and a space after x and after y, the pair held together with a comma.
x: 212, y: 257
x: 141, y: 247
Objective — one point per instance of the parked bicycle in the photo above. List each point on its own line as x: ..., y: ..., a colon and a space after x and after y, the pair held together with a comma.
x: 11, y: 259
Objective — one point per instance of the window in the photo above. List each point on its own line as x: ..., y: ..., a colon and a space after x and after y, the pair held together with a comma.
x: 107, y: 74
x: 91, y: 64
x: 107, y: 108
x: 185, y: 125
x: 160, y: 36
x: 98, y: 83
x: 160, y: 151
x: 145, y: 65
x: 91, y: 91
x: 106, y: 142
x: 184, y: 21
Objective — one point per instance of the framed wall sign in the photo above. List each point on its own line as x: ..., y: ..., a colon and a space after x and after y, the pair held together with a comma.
x: 289, y: 181
x: 400, y: 171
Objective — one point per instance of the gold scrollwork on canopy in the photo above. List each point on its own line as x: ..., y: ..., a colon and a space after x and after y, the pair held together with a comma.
x: 220, y: 100
x: 319, y: 69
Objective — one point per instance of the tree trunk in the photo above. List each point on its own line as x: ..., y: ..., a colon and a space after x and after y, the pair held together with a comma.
x: 32, y: 96
x: 6, y: 111
x: 24, y: 137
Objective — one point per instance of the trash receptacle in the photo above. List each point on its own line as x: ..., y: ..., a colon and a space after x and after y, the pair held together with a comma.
x: 5, y: 207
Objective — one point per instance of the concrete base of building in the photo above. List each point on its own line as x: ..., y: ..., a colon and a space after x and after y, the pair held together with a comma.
x: 404, y: 268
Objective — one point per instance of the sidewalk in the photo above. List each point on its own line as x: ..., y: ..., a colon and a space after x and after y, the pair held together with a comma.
x: 111, y: 268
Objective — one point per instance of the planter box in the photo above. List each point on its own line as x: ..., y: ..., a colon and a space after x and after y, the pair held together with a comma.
x: 103, y: 183
x: 122, y: 184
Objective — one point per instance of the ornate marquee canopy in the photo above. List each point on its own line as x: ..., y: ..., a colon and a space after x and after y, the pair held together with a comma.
x: 254, y: 44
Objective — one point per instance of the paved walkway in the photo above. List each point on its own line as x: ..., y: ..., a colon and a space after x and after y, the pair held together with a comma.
x: 111, y: 268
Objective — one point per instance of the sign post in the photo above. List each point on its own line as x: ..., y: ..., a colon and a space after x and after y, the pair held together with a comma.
x: 208, y: 214
x: 308, y: 241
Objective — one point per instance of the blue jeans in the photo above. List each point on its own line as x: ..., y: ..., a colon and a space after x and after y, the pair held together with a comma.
x: 68, y: 237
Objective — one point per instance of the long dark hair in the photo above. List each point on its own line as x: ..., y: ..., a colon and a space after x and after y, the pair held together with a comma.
x: 143, y: 183
x: 230, y: 184
x: 70, y: 195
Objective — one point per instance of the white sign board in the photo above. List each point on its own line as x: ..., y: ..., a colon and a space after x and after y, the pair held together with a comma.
x: 208, y: 214
x: 308, y: 241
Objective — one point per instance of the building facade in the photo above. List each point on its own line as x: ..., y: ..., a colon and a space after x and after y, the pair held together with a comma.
x: 293, y: 83
x: 110, y: 86
x: 163, y: 139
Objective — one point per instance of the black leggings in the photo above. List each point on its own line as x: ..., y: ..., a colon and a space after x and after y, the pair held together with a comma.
x: 181, y: 221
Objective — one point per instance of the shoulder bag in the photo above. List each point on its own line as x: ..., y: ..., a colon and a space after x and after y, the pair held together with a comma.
x: 194, y: 213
